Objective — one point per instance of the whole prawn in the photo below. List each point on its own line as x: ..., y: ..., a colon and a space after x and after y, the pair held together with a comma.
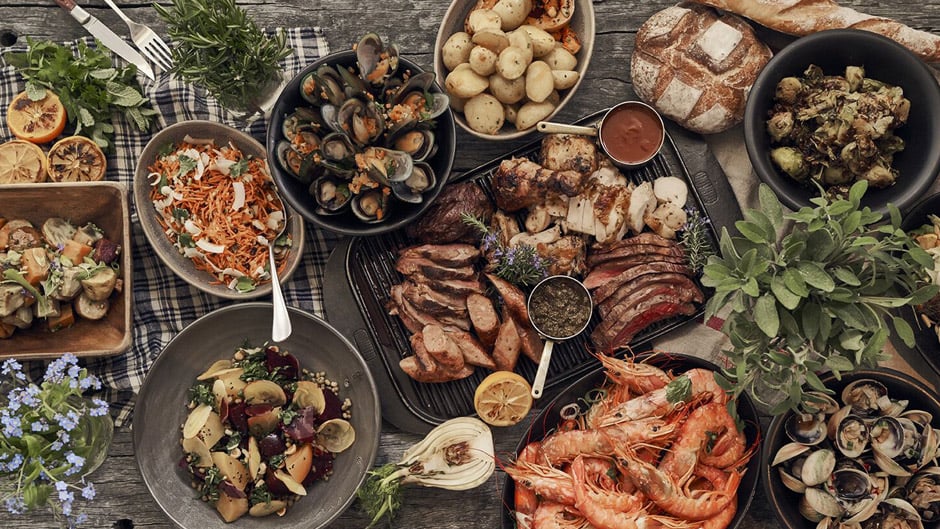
x: 657, y: 403
x: 709, y: 435
x: 565, y: 446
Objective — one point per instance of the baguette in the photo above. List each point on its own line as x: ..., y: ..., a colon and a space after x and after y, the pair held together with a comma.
x: 803, y: 17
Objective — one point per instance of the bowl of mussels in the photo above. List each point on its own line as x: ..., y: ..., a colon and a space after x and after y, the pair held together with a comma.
x: 362, y: 140
x: 862, y: 456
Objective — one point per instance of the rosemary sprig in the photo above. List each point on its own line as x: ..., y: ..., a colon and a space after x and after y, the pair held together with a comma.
x: 694, y: 240
x: 520, y: 265
x: 220, y: 48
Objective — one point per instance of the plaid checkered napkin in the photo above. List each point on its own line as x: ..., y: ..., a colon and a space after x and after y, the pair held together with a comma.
x: 163, y: 303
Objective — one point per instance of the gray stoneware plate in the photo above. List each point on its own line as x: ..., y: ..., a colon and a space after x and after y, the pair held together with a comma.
x: 161, y: 409
x: 160, y: 242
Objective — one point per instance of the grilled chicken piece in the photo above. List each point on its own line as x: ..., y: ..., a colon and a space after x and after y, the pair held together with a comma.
x: 568, y: 152
x: 520, y: 183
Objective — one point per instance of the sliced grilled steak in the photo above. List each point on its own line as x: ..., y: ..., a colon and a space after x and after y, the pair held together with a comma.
x: 425, y: 298
x: 444, y: 254
x: 416, y: 265
x: 630, y: 274
x: 484, y: 318
x: 609, y: 270
x: 453, y: 287
x: 609, y: 338
x: 634, y: 249
x: 627, y: 293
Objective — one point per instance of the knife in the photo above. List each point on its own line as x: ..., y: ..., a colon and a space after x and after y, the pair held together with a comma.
x: 106, y: 36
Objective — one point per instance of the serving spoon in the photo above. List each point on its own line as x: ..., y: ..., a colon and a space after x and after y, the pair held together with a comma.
x: 280, y: 325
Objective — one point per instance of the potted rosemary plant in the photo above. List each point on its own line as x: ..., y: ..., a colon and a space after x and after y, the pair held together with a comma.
x: 51, y: 438
x: 218, y: 47
x: 819, y: 299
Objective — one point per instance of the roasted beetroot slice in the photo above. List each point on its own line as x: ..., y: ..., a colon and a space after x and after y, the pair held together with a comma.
x: 303, y: 428
x: 271, y: 445
x: 237, y: 416
x: 322, y: 465
x: 285, y: 364
x: 257, y: 409
x: 231, y: 490
x: 275, y: 486
x: 333, y: 408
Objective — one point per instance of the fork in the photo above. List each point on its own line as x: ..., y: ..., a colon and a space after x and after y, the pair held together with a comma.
x: 147, y: 41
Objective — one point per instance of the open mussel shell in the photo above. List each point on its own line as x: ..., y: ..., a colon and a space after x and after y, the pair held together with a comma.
x: 302, y: 119
x: 337, y: 147
x: 332, y: 195
x: 411, y: 190
x: 371, y: 206
x: 361, y: 121
x: 353, y: 84
x: 806, y: 429
x: 289, y: 158
x: 417, y: 142
x: 385, y: 165
x: 377, y: 62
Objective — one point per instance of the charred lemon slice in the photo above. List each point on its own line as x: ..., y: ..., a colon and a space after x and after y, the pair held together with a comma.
x: 76, y: 159
x: 36, y: 121
x: 503, y: 398
x: 22, y: 162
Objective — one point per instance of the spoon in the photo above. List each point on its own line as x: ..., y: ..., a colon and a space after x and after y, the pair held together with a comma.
x: 563, y: 292
x: 280, y: 326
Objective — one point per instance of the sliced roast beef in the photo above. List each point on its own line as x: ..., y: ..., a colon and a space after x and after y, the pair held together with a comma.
x: 607, y: 289
x: 626, y: 294
x: 620, y: 332
x: 609, y: 270
x: 634, y: 249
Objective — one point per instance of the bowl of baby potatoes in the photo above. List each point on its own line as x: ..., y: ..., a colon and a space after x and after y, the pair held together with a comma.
x: 508, y: 64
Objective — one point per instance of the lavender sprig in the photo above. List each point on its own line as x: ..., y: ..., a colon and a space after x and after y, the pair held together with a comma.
x: 521, y: 265
x: 694, y: 240
x: 42, y: 445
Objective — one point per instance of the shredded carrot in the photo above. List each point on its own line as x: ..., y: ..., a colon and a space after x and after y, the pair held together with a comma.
x: 206, y: 202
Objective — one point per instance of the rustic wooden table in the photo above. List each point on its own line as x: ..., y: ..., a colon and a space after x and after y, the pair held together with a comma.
x: 123, y: 501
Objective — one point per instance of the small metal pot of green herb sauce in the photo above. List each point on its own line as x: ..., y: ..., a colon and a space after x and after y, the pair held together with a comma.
x: 560, y: 308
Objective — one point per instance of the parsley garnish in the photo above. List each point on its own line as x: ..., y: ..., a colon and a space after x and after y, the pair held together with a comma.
x: 238, y: 168
x: 90, y: 87
x: 187, y: 164
x: 202, y: 394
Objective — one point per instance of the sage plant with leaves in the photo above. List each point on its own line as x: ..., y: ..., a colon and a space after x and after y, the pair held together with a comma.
x: 819, y: 299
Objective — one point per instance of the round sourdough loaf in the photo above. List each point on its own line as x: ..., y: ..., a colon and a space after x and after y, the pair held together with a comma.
x: 696, y: 66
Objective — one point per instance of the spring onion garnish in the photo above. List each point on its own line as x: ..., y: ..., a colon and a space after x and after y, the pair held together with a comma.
x: 456, y: 455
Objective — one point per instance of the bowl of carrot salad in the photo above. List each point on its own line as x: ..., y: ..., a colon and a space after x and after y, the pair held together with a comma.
x: 209, y: 207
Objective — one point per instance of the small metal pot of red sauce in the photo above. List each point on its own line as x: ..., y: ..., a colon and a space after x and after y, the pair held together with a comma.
x: 630, y: 133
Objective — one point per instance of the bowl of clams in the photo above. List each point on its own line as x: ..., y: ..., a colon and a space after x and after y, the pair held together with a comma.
x: 841, y: 106
x: 508, y: 64
x: 361, y: 141
x: 861, y: 456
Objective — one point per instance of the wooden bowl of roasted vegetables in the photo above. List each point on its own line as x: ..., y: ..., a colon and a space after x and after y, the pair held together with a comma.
x: 841, y: 106
x: 65, y: 269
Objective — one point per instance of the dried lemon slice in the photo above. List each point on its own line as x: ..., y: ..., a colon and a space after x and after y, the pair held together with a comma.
x: 503, y: 399
x: 22, y: 162
x: 76, y: 159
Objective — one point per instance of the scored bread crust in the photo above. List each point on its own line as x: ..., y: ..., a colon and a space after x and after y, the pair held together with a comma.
x: 696, y: 66
x: 803, y: 17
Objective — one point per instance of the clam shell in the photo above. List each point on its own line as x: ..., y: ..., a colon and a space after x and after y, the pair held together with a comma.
x: 822, y: 502
x: 788, y: 452
x: 818, y: 467
x: 336, y: 435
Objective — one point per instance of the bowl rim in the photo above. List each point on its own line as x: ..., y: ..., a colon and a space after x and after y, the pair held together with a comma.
x: 760, y: 160
x: 209, y: 317
x: 464, y: 7
x: 768, y: 476
x: 174, y: 261
x: 361, y: 229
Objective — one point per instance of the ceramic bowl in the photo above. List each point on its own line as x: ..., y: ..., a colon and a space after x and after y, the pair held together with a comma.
x: 297, y: 193
x: 161, y: 409
x: 883, y: 60
x: 160, y: 242
x: 785, y: 502
x: 106, y: 205
x: 582, y: 23
x: 550, y: 417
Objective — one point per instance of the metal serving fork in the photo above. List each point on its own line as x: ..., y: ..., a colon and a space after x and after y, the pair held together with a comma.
x: 147, y: 41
